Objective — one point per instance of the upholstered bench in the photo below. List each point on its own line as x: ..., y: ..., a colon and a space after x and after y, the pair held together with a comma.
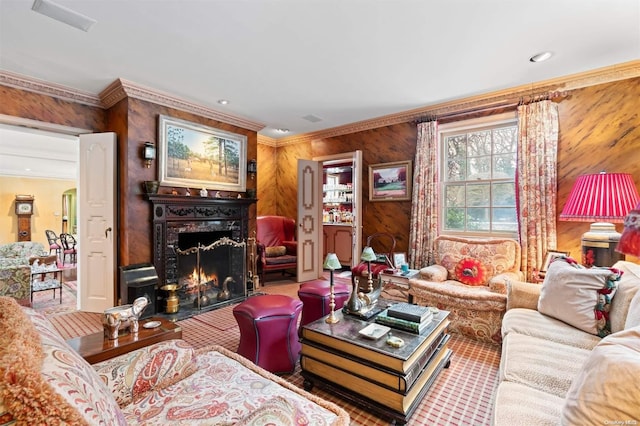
x: 316, y: 296
x: 268, y: 331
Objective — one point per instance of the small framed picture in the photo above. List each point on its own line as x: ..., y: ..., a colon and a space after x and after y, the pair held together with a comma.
x: 390, y: 181
x: 550, y: 257
x: 399, y: 259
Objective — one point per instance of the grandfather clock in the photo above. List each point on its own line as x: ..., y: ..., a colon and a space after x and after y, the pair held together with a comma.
x: 24, y: 210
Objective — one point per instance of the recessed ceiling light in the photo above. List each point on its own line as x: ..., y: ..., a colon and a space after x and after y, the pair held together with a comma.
x: 540, y: 57
x: 223, y: 101
x: 63, y: 14
x: 282, y: 130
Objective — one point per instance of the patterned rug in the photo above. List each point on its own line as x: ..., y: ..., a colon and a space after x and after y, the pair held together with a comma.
x: 461, y: 395
x: 44, y: 301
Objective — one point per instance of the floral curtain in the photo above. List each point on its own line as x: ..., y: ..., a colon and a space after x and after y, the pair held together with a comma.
x: 424, y: 208
x: 537, y: 182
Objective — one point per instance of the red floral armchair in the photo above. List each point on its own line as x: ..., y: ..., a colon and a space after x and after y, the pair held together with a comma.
x: 276, y: 245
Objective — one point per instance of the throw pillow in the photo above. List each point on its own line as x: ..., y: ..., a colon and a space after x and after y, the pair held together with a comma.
x: 605, y: 390
x: 471, y: 271
x: 275, y: 251
x: 579, y: 296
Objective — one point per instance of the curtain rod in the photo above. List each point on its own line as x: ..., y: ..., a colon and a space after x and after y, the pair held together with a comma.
x: 512, y: 102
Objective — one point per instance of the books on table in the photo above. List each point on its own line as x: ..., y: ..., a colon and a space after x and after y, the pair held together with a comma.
x: 410, y: 312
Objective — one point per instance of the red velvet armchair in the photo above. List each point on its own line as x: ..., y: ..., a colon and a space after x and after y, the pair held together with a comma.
x: 276, y: 244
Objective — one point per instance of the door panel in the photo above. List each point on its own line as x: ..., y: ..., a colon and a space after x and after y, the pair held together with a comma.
x: 309, y: 220
x: 96, y: 220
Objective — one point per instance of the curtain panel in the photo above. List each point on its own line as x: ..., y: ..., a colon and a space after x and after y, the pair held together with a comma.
x: 537, y: 182
x: 424, y: 208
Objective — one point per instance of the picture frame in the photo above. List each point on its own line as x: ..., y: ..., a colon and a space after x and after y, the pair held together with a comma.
x: 399, y: 259
x: 550, y: 257
x: 193, y: 155
x: 390, y: 181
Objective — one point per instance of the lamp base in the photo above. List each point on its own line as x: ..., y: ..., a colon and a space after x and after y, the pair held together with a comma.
x: 599, y: 245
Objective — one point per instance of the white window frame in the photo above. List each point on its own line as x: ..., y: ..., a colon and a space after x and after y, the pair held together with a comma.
x: 509, y: 118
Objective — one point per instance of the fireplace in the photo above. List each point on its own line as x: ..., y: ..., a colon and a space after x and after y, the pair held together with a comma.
x: 200, y: 247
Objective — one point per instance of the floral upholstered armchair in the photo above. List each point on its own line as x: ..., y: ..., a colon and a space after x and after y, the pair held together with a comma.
x: 469, y: 279
x: 15, y: 269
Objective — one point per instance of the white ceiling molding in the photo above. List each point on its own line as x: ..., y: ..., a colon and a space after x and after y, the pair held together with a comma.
x: 526, y: 92
x: 266, y: 140
x: 31, y: 84
x: 121, y: 88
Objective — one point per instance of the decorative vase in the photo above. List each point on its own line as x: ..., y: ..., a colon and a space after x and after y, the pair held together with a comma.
x: 151, y: 186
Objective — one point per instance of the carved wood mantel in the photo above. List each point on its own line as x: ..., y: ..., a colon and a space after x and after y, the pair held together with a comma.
x: 173, y: 214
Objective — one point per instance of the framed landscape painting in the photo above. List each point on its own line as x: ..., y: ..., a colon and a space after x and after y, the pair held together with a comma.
x: 196, y: 156
x: 390, y: 181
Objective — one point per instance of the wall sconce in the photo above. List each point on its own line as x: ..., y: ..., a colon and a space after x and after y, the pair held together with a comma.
x: 252, y: 168
x: 148, y: 153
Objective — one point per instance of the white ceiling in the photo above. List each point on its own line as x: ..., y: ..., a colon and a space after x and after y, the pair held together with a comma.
x: 343, y: 61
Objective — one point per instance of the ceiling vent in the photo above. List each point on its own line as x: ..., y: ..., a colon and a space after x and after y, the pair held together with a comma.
x: 312, y: 118
x: 63, y: 14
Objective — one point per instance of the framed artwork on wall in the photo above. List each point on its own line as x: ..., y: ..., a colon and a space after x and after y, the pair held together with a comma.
x: 196, y: 156
x: 390, y: 181
x: 550, y: 257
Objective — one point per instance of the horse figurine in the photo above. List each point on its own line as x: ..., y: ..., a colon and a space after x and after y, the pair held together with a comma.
x: 123, y: 317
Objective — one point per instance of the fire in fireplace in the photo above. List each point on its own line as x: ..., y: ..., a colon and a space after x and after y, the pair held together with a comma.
x: 211, y: 269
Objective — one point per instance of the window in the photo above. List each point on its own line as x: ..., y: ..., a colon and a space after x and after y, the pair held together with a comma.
x: 478, y: 178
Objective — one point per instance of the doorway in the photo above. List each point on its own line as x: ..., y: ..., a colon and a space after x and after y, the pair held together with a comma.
x: 41, y: 159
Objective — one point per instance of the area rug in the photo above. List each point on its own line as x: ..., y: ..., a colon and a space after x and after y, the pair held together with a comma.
x: 44, y: 301
x: 461, y: 395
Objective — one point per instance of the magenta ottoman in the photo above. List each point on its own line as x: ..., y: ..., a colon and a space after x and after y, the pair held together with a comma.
x: 269, y: 331
x: 315, y: 297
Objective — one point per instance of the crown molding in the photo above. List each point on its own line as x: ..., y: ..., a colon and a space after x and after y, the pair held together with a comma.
x: 121, y: 89
x: 266, y: 140
x: 117, y: 91
x: 526, y: 93
x: 34, y: 85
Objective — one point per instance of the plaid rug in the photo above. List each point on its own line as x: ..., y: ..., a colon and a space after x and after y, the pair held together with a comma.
x: 461, y: 395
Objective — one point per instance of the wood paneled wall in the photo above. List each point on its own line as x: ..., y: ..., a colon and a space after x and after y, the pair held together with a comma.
x: 599, y: 130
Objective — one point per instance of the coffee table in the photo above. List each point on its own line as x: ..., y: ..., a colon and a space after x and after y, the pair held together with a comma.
x: 386, y: 380
x: 95, y: 347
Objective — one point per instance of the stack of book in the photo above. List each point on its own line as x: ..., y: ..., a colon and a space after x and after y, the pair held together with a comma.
x: 407, y: 317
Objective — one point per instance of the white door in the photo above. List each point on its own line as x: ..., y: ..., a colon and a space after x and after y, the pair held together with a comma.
x: 309, y: 220
x: 96, y: 220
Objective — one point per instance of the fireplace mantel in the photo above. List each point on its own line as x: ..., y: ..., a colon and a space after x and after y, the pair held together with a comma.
x: 176, y: 213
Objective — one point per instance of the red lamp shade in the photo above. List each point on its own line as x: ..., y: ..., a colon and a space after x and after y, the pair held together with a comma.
x: 630, y: 239
x: 603, y: 196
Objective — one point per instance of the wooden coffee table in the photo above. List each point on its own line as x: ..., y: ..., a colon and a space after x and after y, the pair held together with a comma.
x: 95, y: 347
x: 389, y: 381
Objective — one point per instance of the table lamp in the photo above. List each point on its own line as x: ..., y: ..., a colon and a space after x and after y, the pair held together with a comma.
x: 368, y: 255
x: 605, y: 198
x: 332, y: 263
x: 630, y: 239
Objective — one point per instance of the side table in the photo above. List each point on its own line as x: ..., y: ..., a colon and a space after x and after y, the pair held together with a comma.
x: 395, y: 285
x: 96, y: 348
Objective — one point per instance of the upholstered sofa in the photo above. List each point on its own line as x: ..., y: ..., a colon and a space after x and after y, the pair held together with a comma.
x: 44, y: 381
x: 276, y: 244
x: 468, y: 279
x: 556, y: 371
x: 15, y: 271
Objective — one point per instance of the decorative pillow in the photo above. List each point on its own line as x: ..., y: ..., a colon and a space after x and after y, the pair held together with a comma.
x: 132, y: 375
x: 435, y: 273
x: 275, y: 251
x: 471, y: 271
x: 605, y: 391
x: 579, y: 296
x: 276, y: 411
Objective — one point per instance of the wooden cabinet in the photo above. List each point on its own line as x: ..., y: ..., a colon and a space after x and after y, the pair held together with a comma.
x: 338, y: 239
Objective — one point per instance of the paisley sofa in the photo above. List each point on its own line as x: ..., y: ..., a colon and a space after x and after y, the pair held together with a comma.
x: 469, y: 279
x: 44, y: 381
x: 15, y: 271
